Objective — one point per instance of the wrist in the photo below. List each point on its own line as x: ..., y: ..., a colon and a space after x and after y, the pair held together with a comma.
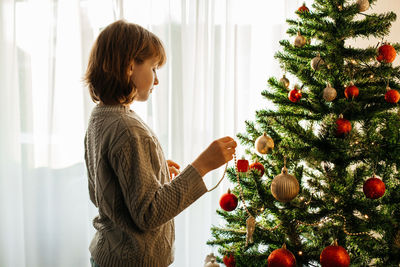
x: 201, y: 170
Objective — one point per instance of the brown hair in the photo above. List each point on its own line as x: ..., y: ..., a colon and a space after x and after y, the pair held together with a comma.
x: 115, y: 48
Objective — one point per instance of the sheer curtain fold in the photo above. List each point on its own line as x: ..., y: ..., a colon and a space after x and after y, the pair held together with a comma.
x: 219, y: 56
x: 11, y: 204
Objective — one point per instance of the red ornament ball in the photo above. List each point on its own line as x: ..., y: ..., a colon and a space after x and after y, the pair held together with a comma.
x: 228, y: 201
x: 351, y: 92
x: 386, y: 54
x: 229, y: 261
x: 258, y: 167
x: 242, y: 165
x: 303, y: 8
x: 294, y: 95
x: 281, y: 257
x: 343, y: 127
x: 374, y: 188
x: 334, y: 256
x: 392, y: 96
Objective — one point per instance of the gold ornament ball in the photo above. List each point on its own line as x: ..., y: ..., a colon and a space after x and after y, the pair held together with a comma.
x: 285, y: 187
x: 285, y: 81
x: 317, y: 62
x: 264, y: 144
x: 300, y: 41
x: 363, y: 5
x: 212, y: 263
x: 329, y: 93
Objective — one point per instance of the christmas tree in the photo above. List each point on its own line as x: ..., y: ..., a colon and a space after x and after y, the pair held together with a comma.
x: 323, y: 186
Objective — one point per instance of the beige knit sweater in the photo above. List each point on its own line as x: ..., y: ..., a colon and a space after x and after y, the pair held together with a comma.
x: 129, y: 184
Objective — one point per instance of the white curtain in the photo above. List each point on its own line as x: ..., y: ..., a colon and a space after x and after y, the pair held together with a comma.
x: 220, y: 55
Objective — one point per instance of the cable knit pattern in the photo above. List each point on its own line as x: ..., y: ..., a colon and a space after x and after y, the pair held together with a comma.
x: 129, y: 183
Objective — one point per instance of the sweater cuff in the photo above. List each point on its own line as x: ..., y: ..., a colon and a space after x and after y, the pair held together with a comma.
x: 197, y: 187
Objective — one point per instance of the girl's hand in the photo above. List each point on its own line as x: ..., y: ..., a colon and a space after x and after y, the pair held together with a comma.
x: 216, y: 154
x: 173, y: 168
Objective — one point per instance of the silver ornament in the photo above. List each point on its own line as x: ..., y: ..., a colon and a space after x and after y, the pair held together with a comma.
x: 250, y: 227
x: 317, y: 62
x: 284, y: 187
x: 363, y: 5
x: 264, y: 144
x: 329, y: 93
x: 212, y: 263
x: 300, y: 41
x: 285, y: 81
x: 210, y: 258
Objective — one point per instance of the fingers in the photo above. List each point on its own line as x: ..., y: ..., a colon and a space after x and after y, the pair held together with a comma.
x: 230, y: 144
x: 173, y: 172
x: 173, y: 164
x: 226, y: 139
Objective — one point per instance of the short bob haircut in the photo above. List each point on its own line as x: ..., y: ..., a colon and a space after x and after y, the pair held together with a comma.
x: 116, y: 47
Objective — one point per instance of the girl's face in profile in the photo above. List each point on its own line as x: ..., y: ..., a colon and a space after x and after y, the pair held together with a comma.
x: 144, y: 77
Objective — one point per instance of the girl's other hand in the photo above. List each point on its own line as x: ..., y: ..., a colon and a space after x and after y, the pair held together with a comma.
x: 173, y: 168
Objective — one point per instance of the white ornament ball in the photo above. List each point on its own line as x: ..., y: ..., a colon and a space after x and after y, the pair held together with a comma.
x: 300, y: 41
x: 363, y: 5
x: 285, y: 81
x: 317, y: 62
x: 264, y: 144
x: 329, y: 93
x: 212, y: 263
x: 285, y: 187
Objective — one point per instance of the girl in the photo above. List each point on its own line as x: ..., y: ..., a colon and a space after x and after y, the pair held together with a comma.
x: 127, y: 172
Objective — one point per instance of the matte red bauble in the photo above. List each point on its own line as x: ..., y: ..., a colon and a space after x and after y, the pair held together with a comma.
x: 281, y: 257
x: 303, y: 8
x: 257, y: 166
x: 294, y: 95
x: 386, y: 54
x: 242, y: 165
x: 392, y: 96
x: 229, y: 261
x: 343, y: 127
x: 228, y: 201
x: 351, y: 91
x: 374, y: 188
x: 334, y: 256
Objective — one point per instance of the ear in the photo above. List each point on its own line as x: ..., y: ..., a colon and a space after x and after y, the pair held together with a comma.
x: 130, y: 68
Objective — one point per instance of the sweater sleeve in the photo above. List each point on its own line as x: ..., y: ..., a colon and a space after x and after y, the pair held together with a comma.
x: 151, y: 203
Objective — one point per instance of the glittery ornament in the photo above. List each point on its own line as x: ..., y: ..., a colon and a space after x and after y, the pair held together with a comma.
x: 374, y: 188
x: 229, y: 261
x: 363, y: 5
x: 351, y: 91
x: 285, y: 81
x: 334, y: 256
x: 343, y: 126
x: 392, y: 96
x: 258, y: 167
x: 228, y: 201
x: 386, y: 53
x: 317, y: 62
x: 295, y: 95
x: 281, y: 257
x: 210, y: 261
x: 300, y: 41
x: 303, y: 8
x: 264, y: 144
x: 329, y: 93
x: 285, y: 187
